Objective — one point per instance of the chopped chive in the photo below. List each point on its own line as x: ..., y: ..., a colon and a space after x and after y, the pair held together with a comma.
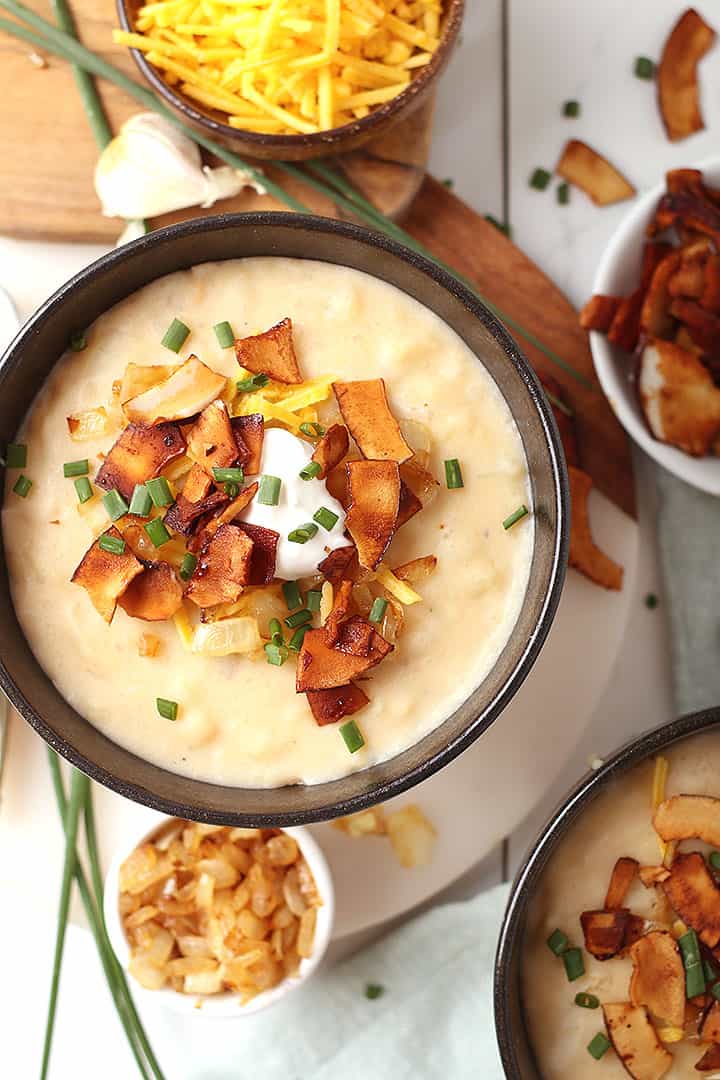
x: 159, y: 491
x: 540, y: 179
x: 276, y: 654
x: 302, y: 534
x: 501, y: 226
x: 16, y: 455
x: 78, y: 341
x: 373, y: 991
x: 229, y: 476
x: 175, y: 335
x: 114, y: 504
x: 449, y: 183
x: 352, y: 736
x: 563, y: 193
x: 292, y: 594
x: 187, y: 566
x: 76, y: 468
x: 574, y: 964
x: 711, y: 972
x: 587, y: 1001
x: 269, y: 490
x: 598, y: 1045
x: 644, y: 67
x: 558, y: 942
x: 224, y: 334
x: 692, y: 961
x: 651, y: 601
x: 517, y: 515
x: 313, y: 431
x: 312, y: 602
x: 157, y: 531
x: 296, y: 641
x: 715, y: 991
x: 378, y: 609
x: 141, y: 503
x: 714, y: 860
x: 22, y: 486
x: 299, y: 618
x: 326, y: 518
x: 84, y: 489
x: 114, y: 544
x: 167, y: 709
x: 453, y: 474
x: 253, y: 382
x: 276, y: 632
x: 311, y: 470
x: 231, y: 489
x: 571, y: 108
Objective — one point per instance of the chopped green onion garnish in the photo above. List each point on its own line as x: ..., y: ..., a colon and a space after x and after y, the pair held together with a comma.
x: 276, y: 632
x: 714, y: 860
x: 78, y: 341
x: 141, y: 503
x: 563, y: 194
x: 292, y: 594
x: 540, y: 179
x: 312, y: 602
x: 253, y: 382
x: 644, y: 67
x: 269, y: 490
x: 326, y: 518
x: 114, y: 544
x: 303, y: 533
x: 587, y: 1001
x: 501, y: 226
x: 352, y: 736
x: 453, y: 474
x: 167, y: 709
x: 558, y: 942
x: 571, y: 108
x: 449, y: 183
x: 84, y: 489
x: 114, y: 504
x: 374, y: 991
x: 598, y: 1045
x: 711, y: 972
x: 378, y: 609
x: 517, y: 515
x: 229, y: 476
x: 651, y: 601
x: 299, y: 618
x: 16, y: 455
x: 175, y: 335
x: 224, y: 334
x: 313, y: 431
x: 76, y: 468
x: 157, y: 532
x: 276, y: 654
x: 574, y: 964
x: 187, y: 566
x: 231, y: 489
x: 159, y: 491
x: 692, y: 961
x: 22, y: 486
x: 311, y: 470
x: 715, y: 991
x: 295, y: 642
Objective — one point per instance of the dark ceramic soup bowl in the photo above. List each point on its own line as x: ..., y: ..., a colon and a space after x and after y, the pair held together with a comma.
x: 113, y: 277
x: 516, y: 1048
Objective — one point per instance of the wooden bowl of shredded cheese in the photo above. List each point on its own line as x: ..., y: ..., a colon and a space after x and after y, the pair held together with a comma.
x: 291, y: 79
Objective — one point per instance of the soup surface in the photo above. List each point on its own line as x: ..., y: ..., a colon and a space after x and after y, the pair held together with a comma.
x: 240, y: 721
x: 618, y: 823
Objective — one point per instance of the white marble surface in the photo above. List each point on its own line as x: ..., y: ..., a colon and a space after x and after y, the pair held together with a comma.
x: 557, y: 50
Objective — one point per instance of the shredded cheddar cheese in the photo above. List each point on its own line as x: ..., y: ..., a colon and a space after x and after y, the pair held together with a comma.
x: 658, y: 795
x: 287, y: 66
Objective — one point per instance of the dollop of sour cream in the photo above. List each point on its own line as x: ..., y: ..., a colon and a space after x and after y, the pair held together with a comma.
x: 284, y: 455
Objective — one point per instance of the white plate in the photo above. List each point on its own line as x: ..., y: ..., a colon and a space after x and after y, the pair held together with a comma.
x: 617, y: 275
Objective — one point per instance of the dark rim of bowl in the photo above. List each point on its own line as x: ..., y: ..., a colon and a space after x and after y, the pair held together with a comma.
x: 322, y: 140
x: 389, y: 788
x: 632, y: 753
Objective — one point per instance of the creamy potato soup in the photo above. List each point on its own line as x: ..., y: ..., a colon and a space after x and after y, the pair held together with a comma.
x: 677, y: 916
x: 236, y: 718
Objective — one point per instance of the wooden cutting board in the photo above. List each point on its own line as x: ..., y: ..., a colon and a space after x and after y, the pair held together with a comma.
x: 47, y: 194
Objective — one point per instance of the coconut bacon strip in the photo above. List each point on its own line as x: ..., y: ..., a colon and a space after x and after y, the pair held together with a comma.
x: 374, y: 489
x: 366, y: 411
x: 332, y: 705
x: 210, y: 441
x: 624, y: 873
x: 658, y: 978
x: 139, y: 454
x: 249, y: 434
x: 323, y: 667
x: 635, y: 1041
x: 693, y: 894
x: 223, y: 568
x: 271, y: 353
x: 105, y: 576
x: 154, y: 595
x: 579, y: 164
x: 585, y: 555
x: 677, y: 77
x: 689, y: 817
x: 331, y: 449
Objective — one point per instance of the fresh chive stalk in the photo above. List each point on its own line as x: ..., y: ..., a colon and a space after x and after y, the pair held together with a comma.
x: 253, y: 382
x: 115, y: 545
x: 644, y: 67
x: 311, y: 471
x: 352, y: 736
x: 16, y: 456
x: 304, y: 533
x: 563, y: 193
x: 517, y: 515
x: 296, y: 641
x: 187, y: 566
x: 276, y: 632
x: 158, y: 532
x: 312, y: 601
x: 292, y: 594
x: 78, y: 341
x: 453, y: 474
x: 141, y: 503
x: 224, y: 334
x: 326, y: 518
x: 598, y: 1046
x: 114, y: 504
x: 84, y: 490
x: 231, y: 489
x: 574, y: 964
x: 313, y: 431
x: 269, y: 490
x: 692, y: 961
x: 228, y: 476
x: 76, y: 468
x: 540, y: 179
x: 176, y: 335
x: 558, y: 942
x: 373, y: 991
x: 167, y: 709
x: 22, y: 486
x: 587, y: 1001
x: 378, y: 609
x: 571, y: 109
x: 276, y: 654
x: 299, y: 618
x: 159, y: 491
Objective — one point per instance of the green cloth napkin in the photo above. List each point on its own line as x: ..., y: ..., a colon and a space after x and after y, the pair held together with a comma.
x: 434, y: 1020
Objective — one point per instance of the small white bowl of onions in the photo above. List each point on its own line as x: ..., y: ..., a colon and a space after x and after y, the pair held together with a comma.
x: 216, y: 920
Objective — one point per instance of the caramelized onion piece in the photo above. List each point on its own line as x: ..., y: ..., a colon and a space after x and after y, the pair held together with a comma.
x: 187, y: 392
x: 154, y: 595
x: 329, y: 706
x: 223, y: 568
x: 138, y: 378
x: 374, y: 488
x: 138, y: 455
x: 271, y: 353
x: 417, y: 570
x: 105, y: 576
x: 366, y: 411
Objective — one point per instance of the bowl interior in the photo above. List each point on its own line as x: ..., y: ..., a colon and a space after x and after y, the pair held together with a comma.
x: 515, y: 1047
x: 618, y: 274
x: 120, y: 273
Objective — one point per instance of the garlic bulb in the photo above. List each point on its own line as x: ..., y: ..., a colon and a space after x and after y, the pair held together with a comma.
x: 152, y: 168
